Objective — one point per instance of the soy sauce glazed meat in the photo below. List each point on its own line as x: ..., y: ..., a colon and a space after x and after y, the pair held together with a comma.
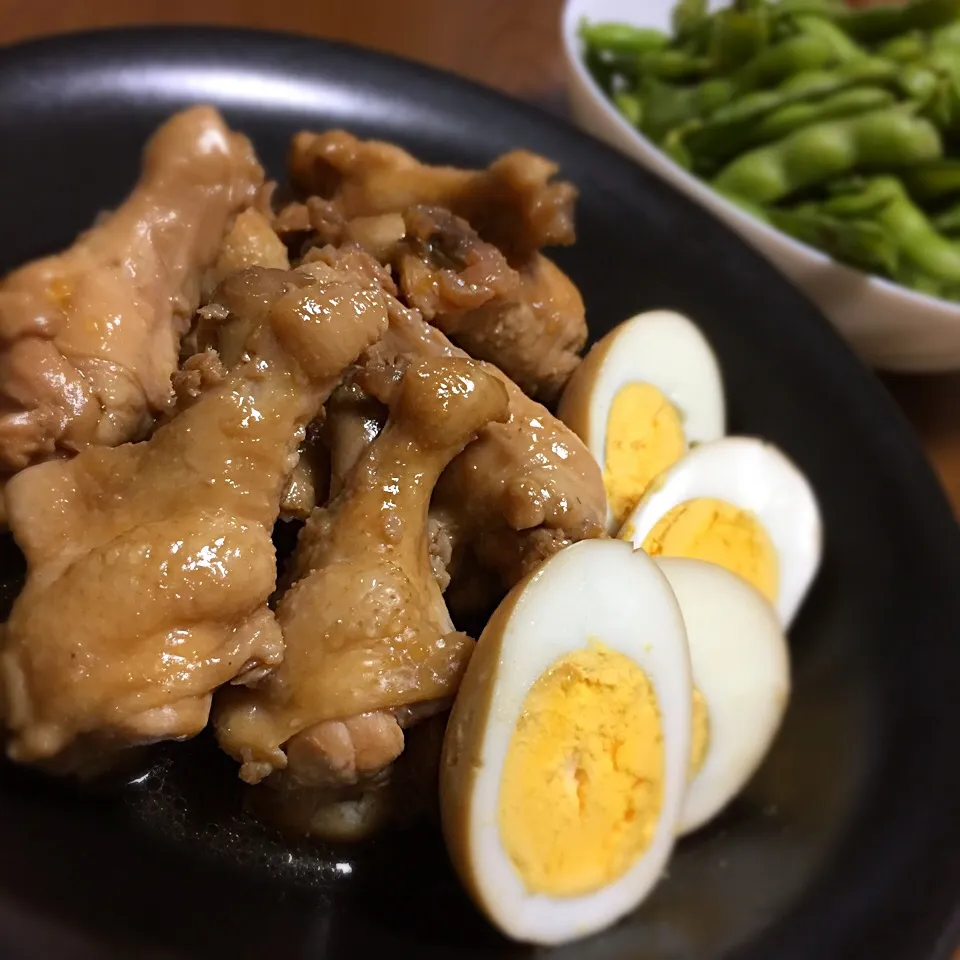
x: 150, y: 564
x: 368, y: 357
x: 531, y: 324
x: 90, y: 336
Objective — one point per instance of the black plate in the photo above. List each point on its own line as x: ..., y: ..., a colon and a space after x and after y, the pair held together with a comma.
x: 846, y: 845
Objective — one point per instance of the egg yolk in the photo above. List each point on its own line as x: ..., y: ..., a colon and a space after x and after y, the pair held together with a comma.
x: 644, y: 437
x: 719, y: 533
x: 582, y: 782
x: 700, y: 739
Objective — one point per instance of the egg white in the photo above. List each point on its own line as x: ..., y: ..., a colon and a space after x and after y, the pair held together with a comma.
x: 597, y: 590
x: 661, y: 348
x: 741, y: 666
x: 754, y: 476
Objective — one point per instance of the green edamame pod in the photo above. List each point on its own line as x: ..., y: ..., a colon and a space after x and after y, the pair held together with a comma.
x: 807, y: 80
x: 777, y: 62
x: 906, y: 48
x: 666, y: 106
x: 869, y: 70
x: 729, y: 128
x: 747, y: 206
x: 919, y: 241
x: 621, y: 40
x: 630, y: 106
x: 674, y: 145
x: 909, y: 275
x: 917, y: 82
x: 942, y: 107
x: 844, y: 49
x: 847, y: 103
x: 878, y: 140
x: 859, y: 198
x: 672, y: 65
x: 948, y: 221
x: 860, y: 243
x: 946, y: 39
x: 736, y: 126
x: 945, y: 61
x: 748, y: 107
x: 736, y: 36
x: 764, y: 116
x: 688, y: 16
x: 932, y: 181
x: 872, y: 24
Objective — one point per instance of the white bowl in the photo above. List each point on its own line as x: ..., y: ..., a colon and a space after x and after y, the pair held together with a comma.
x: 889, y: 326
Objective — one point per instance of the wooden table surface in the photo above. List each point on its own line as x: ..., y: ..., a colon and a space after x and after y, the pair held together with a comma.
x: 510, y: 44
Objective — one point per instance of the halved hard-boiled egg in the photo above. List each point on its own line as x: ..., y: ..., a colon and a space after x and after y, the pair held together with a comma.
x: 641, y: 396
x: 740, y: 503
x: 741, y: 678
x: 566, y: 755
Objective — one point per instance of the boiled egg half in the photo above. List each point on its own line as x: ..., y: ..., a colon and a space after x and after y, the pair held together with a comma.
x: 741, y: 677
x: 642, y: 395
x: 742, y: 504
x: 566, y: 755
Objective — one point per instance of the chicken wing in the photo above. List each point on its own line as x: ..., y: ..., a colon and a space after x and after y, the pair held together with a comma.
x: 365, y: 626
x: 524, y: 490
x: 150, y: 564
x: 531, y: 322
x: 250, y: 242
x: 89, y: 337
x: 514, y: 204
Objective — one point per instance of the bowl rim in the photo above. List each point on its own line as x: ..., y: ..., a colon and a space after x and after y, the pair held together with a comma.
x: 701, y: 192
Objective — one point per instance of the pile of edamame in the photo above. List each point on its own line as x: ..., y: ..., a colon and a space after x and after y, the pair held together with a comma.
x: 839, y: 126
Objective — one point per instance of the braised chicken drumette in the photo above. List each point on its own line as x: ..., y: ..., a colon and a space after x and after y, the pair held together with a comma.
x: 526, y: 488
x: 91, y: 335
x: 514, y: 204
x: 150, y: 564
x: 370, y: 646
x: 509, y: 304
x: 329, y: 392
x: 529, y: 322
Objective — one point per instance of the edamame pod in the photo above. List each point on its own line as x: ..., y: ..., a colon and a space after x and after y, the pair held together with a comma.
x: 795, y: 116
x: 882, y: 139
x: 860, y: 243
x: 621, y: 39
x: 871, y: 24
x: 919, y: 241
x: 933, y: 181
x: 844, y: 48
x: 948, y: 221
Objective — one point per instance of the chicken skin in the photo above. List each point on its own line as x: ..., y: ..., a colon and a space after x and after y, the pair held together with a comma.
x: 366, y: 352
x: 514, y: 204
x: 150, y: 564
x: 530, y: 322
x: 524, y: 490
x: 89, y: 337
x: 250, y: 242
x: 365, y: 627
